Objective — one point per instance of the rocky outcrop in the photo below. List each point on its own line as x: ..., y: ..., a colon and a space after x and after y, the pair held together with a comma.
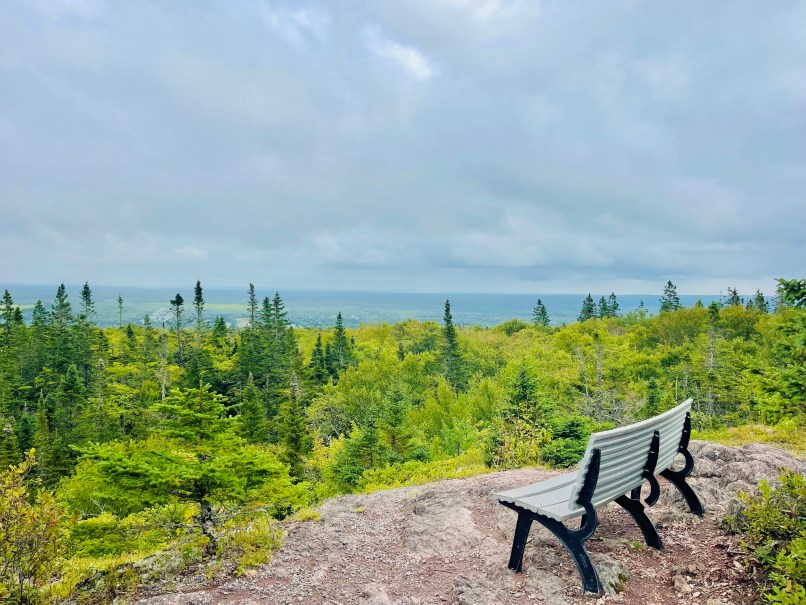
x: 448, y: 543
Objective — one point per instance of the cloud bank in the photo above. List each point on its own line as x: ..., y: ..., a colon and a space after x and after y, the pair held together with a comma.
x: 451, y: 145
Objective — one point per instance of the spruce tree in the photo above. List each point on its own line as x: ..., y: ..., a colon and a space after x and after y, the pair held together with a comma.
x: 588, y: 310
x: 670, y: 301
x: 177, y: 304
x: 760, y: 303
x: 61, y: 314
x: 451, y: 358
x: 120, y: 311
x: 612, y: 304
x: 733, y: 300
x: 792, y: 292
x: 8, y: 311
x: 330, y: 361
x: 252, y: 306
x: 603, y: 308
x: 9, y: 449
x: 293, y: 430
x: 341, y: 350
x: 317, y: 367
x: 540, y: 316
x: 219, y: 330
x: 252, y: 424
x: 198, y: 306
x: 87, y: 304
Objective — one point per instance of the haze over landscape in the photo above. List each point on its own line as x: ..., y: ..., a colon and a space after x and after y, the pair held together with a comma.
x: 427, y: 146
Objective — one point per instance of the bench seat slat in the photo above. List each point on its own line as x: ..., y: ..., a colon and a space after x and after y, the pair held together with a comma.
x: 548, y: 485
x: 624, y: 454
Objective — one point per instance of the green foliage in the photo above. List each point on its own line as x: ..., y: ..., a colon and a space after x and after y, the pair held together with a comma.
x: 540, y: 315
x: 249, y: 541
x: 413, y: 472
x: 774, y: 525
x: 32, y: 538
x: 792, y: 292
x: 453, y: 369
x: 568, y: 441
x: 588, y: 310
x: 670, y: 301
x: 513, y: 326
x: 156, y: 442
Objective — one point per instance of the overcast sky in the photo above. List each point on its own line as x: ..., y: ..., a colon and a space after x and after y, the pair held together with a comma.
x: 427, y: 145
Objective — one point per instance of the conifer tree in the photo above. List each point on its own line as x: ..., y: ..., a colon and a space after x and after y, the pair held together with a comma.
x: 43, y: 443
x: 734, y: 300
x: 540, y: 316
x: 219, y: 330
x: 120, y: 311
x: 60, y: 345
x: 177, y: 304
x: 252, y: 424
x: 342, y: 353
x: 588, y: 310
x: 9, y: 449
x: 293, y: 430
x: 603, y: 308
x: 451, y: 358
x: 87, y: 304
x: 642, y: 310
x: 760, y: 303
x: 252, y: 306
x: 317, y: 367
x: 330, y: 360
x: 198, y: 306
x: 792, y: 292
x: 8, y: 311
x: 612, y: 304
x: 670, y: 301
x: 61, y: 314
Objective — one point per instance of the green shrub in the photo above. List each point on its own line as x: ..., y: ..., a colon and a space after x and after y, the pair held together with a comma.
x: 31, y: 538
x: 249, y: 541
x: 774, y: 525
x: 569, y: 439
x: 413, y: 472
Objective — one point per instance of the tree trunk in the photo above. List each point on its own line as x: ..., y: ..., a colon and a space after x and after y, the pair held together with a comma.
x: 208, y: 527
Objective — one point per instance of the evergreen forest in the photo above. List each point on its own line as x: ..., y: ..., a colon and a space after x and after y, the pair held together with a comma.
x: 187, y: 444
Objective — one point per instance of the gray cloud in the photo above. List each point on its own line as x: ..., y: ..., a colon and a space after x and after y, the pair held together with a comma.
x: 443, y: 145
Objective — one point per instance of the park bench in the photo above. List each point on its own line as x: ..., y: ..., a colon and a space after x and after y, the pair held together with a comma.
x: 616, y: 463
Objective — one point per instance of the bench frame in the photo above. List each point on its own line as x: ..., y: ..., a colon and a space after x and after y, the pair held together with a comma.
x: 574, y: 540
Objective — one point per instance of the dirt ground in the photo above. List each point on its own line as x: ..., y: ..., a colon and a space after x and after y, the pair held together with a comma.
x: 448, y: 543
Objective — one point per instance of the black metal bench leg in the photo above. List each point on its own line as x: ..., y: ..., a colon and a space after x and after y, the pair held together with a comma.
x: 574, y: 544
x: 678, y: 479
x: 519, y: 542
x: 636, y: 510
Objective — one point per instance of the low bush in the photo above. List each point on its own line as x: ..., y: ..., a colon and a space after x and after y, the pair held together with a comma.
x: 413, y: 472
x: 774, y: 526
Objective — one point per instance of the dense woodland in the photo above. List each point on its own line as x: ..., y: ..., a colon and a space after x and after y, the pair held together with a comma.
x: 199, y: 434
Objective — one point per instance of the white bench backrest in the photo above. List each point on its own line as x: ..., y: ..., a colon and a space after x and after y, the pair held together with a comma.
x: 624, y: 453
